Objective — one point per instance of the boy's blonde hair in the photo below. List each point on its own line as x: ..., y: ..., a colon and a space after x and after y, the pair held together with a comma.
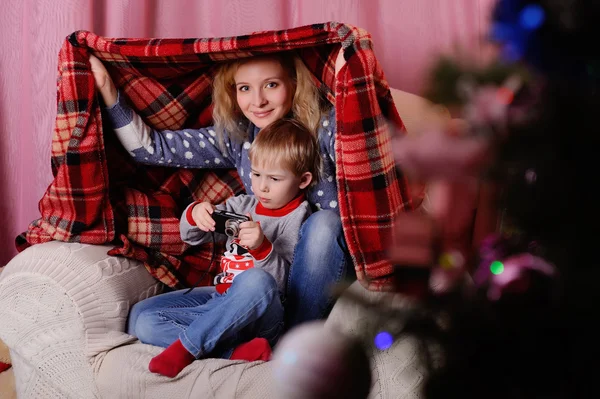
x: 228, y: 117
x: 287, y: 142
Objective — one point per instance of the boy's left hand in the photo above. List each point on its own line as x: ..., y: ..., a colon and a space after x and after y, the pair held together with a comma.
x: 251, y: 235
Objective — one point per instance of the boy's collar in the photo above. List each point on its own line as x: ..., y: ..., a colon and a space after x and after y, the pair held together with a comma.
x: 284, y: 210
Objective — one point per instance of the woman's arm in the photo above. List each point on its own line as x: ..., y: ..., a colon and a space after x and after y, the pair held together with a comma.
x: 324, y: 194
x: 104, y: 82
x: 192, y: 148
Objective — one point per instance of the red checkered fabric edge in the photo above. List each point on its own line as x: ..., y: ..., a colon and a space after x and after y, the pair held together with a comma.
x: 99, y: 195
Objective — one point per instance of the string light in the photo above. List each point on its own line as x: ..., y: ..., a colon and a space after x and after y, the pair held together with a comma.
x: 383, y: 340
x: 532, y: 17
x: 530, y: 176
x: 515, y: 29
x: 451, y: 260
x: 496, y: 267
x: 505, y: 95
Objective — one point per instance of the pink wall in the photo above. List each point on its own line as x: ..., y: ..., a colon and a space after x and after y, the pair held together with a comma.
x: 407, y: 34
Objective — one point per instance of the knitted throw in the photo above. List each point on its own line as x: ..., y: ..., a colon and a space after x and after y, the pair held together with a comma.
x: 100, y: 195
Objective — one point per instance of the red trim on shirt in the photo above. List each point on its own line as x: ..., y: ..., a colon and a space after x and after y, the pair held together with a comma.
x: 284, y: 210
x: 222, y: 287
x: 263, y: 250
x: 188, y: 213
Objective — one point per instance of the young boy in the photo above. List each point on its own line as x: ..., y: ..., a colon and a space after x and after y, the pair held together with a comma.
x: 285, y: 161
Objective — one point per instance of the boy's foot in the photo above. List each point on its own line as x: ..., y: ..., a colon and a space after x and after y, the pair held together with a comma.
x: 172, y: 360
x: 256, y: 349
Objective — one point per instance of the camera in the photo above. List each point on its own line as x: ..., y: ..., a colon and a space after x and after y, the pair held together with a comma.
x: 228, y: 223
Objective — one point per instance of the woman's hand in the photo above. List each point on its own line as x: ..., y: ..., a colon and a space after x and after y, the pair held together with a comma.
x: 202, y: 215
x: 339, y: 61
x: 103, y: 81
x: 251, y: 235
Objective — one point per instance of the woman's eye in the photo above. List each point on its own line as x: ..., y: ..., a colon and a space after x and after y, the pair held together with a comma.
x: 243, y: 88
x: 271, y: 85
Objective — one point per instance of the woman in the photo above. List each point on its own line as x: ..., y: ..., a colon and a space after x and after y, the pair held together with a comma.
x: 249, y: 94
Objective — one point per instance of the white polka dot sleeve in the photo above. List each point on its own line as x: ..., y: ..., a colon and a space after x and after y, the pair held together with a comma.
x: 325, y: 194
x: 187, y: 148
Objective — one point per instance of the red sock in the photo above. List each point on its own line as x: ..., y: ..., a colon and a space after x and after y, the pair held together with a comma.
x: 172, y: 360
x: 4, y: 366
x: 256, y: 349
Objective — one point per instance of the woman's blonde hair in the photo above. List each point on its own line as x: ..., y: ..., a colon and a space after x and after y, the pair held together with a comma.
x: 228, y: 117
x: 287, y: 142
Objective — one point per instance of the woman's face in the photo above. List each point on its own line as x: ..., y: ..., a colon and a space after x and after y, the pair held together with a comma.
x: 264, y: 91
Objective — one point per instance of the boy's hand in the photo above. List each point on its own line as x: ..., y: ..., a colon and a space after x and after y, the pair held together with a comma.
x: 251, y: 234
x: 202, y: 215
x: 103, y: 81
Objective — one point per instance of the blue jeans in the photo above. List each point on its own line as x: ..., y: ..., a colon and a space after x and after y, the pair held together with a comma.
x: 207, y: 322
x: 321, y: 259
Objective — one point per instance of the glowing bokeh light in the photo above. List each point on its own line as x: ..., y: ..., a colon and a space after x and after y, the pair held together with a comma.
x: 446, y: 261
x: 383, y: 340
x: 505, y: 95
x: 289, y: 357
x: 496, y: 267
x: 532, y: 17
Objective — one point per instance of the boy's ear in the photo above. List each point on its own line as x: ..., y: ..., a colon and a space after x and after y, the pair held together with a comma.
x: 305, y: 180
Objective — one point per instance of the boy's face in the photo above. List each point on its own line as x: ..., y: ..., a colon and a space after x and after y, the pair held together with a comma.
x: 275, y: 186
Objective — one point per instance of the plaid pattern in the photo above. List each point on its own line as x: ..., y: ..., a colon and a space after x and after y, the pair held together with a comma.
x: 99, y: 195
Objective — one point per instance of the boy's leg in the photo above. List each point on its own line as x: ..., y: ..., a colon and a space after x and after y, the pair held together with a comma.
x: 250, y: 308
x: 160, y: 319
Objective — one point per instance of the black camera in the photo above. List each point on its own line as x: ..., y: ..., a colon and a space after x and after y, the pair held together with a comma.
x: 228, y: 223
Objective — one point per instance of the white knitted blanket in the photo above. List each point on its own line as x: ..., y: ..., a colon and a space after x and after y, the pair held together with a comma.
x: 63, y: 308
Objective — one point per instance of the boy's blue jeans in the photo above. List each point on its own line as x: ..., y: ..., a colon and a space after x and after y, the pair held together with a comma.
x: 207, y: 322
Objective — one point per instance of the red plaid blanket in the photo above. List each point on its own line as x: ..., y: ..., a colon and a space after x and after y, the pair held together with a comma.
x: 99, y: 195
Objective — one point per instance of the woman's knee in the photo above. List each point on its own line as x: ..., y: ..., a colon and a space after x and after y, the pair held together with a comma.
x: 321, y: 254
x: 324, y: 220
x: 323, y: 226
x: 321, y: 233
